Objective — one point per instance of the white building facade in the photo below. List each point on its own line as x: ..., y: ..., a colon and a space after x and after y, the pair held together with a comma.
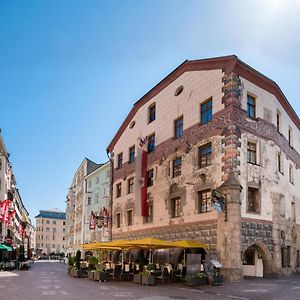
x: 97, y: 201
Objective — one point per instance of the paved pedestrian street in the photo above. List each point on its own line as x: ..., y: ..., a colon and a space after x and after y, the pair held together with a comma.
x: 49, y: 280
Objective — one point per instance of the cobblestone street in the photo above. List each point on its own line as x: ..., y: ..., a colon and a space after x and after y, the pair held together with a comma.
x: 46, y: 280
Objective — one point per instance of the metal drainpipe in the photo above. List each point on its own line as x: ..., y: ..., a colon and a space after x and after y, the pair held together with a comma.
x: 111, y: 194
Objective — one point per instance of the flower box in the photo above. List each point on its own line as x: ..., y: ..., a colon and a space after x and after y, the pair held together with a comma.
x: 91, y: 275
x: 137, y: 278
x: 100, y: 276
x: 148, y: 279
x: 196, y: 281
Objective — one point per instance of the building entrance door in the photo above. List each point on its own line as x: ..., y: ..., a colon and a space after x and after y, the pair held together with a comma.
x: 253, y: 262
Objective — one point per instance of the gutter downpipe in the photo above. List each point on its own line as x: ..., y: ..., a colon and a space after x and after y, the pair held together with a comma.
x: 110, y: 194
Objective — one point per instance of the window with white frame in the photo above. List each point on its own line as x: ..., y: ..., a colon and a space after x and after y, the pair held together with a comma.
x: 251, y: 153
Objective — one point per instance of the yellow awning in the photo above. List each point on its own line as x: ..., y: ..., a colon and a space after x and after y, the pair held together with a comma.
x: 150, y: 243
x: 189, y: 244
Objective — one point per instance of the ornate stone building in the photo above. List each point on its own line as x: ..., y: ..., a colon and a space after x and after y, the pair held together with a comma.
x: 213, y: 124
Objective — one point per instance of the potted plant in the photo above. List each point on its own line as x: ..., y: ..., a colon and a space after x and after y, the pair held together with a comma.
x: 92, y: 260
x: 197, y: 279
x: 147, y: 278
x: 100, y: 275
x: 71, y: 261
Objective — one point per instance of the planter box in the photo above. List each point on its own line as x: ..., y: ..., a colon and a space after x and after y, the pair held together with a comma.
x: 196, y: 282
x: 72, y: 272
x: 148, y: 279
x: 78, y: 273
x: 137, y: 278
x: 69, y: 270
x: 91, y: 275
x: 100, y: 276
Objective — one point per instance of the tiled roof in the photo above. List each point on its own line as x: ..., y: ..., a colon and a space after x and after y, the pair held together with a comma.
x: 49, y: 214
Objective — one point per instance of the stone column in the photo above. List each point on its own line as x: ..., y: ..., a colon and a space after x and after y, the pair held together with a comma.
x: 229, y: 232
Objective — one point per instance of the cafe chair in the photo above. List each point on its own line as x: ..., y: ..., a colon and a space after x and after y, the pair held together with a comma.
x: 181, y: 274
x: 164, y: 275
x: 116, y: 272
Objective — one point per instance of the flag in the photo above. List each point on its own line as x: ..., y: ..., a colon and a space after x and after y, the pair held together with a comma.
x: 11, y: 214
x: 92, y: 221
x: 4, y: 210
x: 21, y: 230
x: 140, y: 186
x: 105, y: 216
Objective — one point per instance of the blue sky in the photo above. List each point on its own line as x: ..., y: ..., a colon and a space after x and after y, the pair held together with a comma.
x: 70, y: 71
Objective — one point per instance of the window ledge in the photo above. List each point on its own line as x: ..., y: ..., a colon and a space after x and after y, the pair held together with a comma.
x: 253, y: 164
x: 253, y: 212
x: 203, y: 212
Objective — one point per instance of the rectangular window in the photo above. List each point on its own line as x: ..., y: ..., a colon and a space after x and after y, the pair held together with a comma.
x: 291, y: 174
x: 204, y: 201
x: 129, y: 218
x: 288, y: 256
x: 250, y: 106
x: 97, y: 179
x: 118, y: 220
x: 54, y: 222
x: 131, y: 154
x: 290, y: 136
x: 151, y: 143
x: 205, y: 155
x: 47, y: 222
x: 178, y: 128
x: 253, y: 204
x: 151, y: 113
x: 149, y: 218
x: 175, y: 207
x: 120, y: 160
x: 90, y: 183
x: 298, y: 259
x: 150, y: 177
x: 64, y: 223
x: 89, y: 200
x: 279, y: 163
x: 206, y: 112
x: 293, y: 210
x: 118, y: 190
x: 177, y: 167
x: 130, y: 185
x: 278, y: 120
x: 251, y: 153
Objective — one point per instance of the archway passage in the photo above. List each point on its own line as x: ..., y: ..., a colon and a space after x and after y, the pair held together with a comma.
x: 256, y: 260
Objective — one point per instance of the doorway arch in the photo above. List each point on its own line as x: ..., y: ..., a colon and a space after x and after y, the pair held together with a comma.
x: 257, y: 260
